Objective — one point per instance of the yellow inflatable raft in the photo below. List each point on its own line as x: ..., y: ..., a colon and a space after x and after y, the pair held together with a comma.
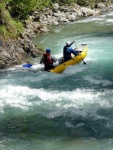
x: 83, y: 49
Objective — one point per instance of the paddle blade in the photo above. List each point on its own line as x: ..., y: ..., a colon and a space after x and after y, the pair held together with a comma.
x: 84, y: 63
x: 27, y: 65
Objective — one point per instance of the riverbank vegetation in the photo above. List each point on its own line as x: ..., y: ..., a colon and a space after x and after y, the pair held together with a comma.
x: 14, y: 12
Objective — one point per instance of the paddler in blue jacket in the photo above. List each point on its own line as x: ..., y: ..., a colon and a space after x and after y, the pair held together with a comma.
x: 67, y: 50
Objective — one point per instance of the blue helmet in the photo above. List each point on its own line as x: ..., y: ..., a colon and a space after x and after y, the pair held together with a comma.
x: 48, y: 50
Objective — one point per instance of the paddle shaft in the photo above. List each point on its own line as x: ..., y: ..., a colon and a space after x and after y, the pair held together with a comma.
x: 81, y: 56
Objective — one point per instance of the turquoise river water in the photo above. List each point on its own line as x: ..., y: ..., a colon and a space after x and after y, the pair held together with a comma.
x: 68, y: 111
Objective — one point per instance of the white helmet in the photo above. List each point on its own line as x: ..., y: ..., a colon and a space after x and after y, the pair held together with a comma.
x: 68, y: 43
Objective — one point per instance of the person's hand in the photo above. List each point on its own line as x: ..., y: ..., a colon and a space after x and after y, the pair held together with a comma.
x: 73, y: 41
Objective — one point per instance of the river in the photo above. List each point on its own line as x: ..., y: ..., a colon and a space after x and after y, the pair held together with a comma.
x: 68, y: 111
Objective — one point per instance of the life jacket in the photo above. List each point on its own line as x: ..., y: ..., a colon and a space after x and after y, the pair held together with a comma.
x: 47, y: 58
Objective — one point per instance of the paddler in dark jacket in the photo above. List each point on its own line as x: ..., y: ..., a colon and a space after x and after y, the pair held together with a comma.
x: 47, y: 60
x: 67, y: 50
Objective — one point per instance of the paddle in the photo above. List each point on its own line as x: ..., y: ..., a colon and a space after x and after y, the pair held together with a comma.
x: 80, y: 56
x: 27, y: 65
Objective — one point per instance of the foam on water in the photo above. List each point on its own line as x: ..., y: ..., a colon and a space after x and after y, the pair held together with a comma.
x: 25, y: 97
x: 98, y: 82
x: 90, y: 19
x: 109, y: 13
x: 109, y: 20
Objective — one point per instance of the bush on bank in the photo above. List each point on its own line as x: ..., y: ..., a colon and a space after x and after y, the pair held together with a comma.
x: 9, y: 26
x: 13, y: 12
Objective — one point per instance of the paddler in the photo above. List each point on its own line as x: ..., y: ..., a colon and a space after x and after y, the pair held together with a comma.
x: 47, y: 60
x: 68, y: 50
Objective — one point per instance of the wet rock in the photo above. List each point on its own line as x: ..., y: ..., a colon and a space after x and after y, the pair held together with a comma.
x: 56, y: 6
x: 101, y: 5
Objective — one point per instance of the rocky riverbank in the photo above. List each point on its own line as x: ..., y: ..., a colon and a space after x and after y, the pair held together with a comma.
x: 18, y: 51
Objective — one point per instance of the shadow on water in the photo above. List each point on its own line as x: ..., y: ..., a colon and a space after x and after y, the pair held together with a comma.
x: 38, y: 126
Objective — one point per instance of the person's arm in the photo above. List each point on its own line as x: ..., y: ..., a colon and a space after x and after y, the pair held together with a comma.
x: 71, y: 43
x: 74, y: 52
x: 71, y: 50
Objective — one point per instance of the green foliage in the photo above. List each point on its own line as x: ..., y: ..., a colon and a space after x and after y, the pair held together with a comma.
x: 64, y: 1
x: 90, y: 3
x: 5, y: 34
x: 8, y: 27
x: 68, y: 1
x: 42, y: 4
x: 21, y: 8
x: 18, y: 26
x: 3, y: 31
